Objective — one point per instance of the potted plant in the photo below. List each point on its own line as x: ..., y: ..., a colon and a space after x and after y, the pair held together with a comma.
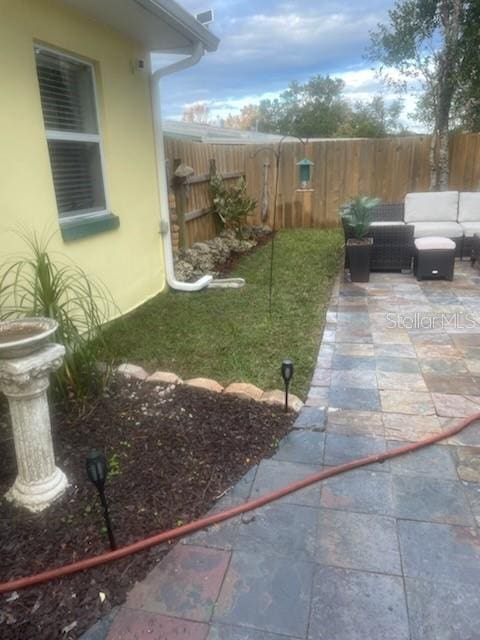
x: 356, y: 217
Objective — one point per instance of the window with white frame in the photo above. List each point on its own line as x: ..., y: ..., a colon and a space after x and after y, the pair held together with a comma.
x: 67, y: 91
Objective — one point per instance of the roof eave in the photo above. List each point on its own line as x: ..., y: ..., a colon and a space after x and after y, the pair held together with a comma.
x: 172, y: 13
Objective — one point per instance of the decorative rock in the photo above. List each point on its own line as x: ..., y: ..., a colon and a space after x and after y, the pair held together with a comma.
x: 262, y: 230
x: 294, y: 403
x: 183, y: 270
x: 275, y: 397
x: 164, y: 376
x: 201, y: 247
x: 244, y: 390
x: 200, y: 260
x: 184, y: 171
x: 219, y: 249
x: 132, y: 371
x: 205, y: 383
x: 201, y: 257
x: 245, y: 245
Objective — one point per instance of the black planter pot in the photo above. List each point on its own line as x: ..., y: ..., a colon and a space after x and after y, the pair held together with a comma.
x: 359, y: 252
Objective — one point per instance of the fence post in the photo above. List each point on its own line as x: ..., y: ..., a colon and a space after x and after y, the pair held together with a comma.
x: 179, y: 187
x: 212, y: 164
x: 264, y: 199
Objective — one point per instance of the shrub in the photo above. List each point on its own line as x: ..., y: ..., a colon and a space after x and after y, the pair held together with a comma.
x: 231, y: 204
x: 36, y: 285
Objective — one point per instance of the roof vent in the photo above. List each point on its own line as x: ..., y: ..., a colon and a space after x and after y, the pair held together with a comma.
x: 205, y: 18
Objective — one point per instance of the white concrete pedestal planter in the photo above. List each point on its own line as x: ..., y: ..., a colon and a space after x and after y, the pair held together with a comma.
x: 24, y: 380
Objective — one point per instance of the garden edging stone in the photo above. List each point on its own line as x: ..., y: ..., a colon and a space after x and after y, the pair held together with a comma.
x: 243, y: 390
x: 164, y: 376
x: 205, y: 383
x: 132, y: 371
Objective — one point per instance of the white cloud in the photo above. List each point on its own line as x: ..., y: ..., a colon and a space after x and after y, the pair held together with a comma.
x: 265, y: 45
x: 292, y: 38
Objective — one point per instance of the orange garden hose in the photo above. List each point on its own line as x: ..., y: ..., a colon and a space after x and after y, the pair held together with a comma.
x: 179, y: 532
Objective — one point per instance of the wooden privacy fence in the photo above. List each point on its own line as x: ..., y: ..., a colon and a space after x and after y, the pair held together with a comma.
x: 388, y: 168
x: 190, y: 199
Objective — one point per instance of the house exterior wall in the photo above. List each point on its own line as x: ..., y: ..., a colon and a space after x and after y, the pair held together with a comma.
x: 128, y: 260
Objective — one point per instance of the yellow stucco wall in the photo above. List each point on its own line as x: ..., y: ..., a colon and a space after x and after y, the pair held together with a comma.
x: 129, y: 260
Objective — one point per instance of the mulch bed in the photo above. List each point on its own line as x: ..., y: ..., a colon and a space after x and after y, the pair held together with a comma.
x: 170, y: 458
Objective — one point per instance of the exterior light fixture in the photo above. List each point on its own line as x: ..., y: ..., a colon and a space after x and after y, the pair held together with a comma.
x: 287, y: 375
x: 304, y: 170
x: 97, y: 472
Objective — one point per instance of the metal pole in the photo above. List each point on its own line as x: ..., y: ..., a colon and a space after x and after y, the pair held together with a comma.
x: 278, y: 155
x: 106, y: 516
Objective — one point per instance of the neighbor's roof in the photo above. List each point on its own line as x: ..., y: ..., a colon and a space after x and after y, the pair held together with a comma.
x: 196, y: 132
x: 160, y: 25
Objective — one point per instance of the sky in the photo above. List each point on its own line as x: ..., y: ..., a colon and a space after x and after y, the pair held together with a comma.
x: 265, y: 44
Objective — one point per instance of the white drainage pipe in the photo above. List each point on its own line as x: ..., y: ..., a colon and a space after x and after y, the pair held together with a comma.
x: 204, y: 281
x: 161, y: 174
x: 226, y: 283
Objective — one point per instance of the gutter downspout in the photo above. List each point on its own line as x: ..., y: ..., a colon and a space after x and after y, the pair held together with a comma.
x: 161, y: 175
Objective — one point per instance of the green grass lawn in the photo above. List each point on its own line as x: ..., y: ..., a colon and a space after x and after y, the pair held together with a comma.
x: 229, y: 335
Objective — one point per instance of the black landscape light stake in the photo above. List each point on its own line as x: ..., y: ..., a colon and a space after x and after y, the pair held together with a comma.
x: 287, y: 375
x: 97, y: 472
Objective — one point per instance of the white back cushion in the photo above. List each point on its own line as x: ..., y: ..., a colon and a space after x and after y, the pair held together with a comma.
x: 431, y: 206
x: 469, y: 207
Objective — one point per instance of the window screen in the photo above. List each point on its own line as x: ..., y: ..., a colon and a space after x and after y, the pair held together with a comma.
x: 68, y: 104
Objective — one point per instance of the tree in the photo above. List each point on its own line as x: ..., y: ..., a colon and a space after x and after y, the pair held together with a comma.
x: 318, y: 108
x: 425, y: 42
x: 247, y: 119
x: 314, y: 109
x: 467, y: 100
x: 197, y: 112
x: 373, y: 119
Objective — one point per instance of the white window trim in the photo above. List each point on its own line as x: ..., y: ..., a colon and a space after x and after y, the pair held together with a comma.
x: 73, y: 137
x: 51, y: 134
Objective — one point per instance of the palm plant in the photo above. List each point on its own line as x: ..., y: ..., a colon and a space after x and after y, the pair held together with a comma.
x: 36, y: 285
x: 358, y: 215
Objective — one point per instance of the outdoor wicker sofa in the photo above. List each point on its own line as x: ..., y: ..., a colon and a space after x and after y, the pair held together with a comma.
x: 469, y: 219
x: 393, y: 245
x: 394, y: 228
x: 435, y: 213
x: 450, y: 214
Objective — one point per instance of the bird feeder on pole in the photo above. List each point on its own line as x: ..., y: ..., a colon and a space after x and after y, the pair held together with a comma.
x: 304, y: 171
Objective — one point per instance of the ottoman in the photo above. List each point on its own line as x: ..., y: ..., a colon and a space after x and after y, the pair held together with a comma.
x: 434, y: 258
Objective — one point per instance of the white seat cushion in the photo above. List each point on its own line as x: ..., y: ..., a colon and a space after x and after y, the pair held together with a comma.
x: 434, y: 242
x: 469, y: 228
x: 385, y: 223
x: 469, y: 207
x: 444, y: 229
x: 431, y: 206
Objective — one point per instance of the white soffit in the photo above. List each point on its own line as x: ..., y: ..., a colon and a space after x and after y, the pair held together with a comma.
x: 160, y: 25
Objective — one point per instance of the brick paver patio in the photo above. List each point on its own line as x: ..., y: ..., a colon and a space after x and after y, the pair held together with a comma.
x: 390, y: 551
